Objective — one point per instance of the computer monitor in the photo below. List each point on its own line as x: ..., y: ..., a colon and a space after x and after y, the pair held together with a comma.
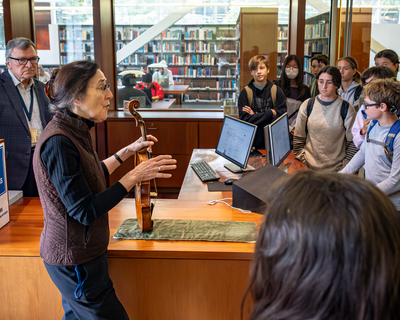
x: 277, y: 141
x: 235, y: 142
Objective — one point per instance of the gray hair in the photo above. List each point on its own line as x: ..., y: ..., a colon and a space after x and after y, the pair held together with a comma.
x: 19, y: 43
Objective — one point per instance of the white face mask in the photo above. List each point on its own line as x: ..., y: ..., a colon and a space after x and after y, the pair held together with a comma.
x: 291, y: 73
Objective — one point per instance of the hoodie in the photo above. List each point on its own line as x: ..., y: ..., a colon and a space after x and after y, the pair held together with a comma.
x: 167, y: 74
x: 349, y: 94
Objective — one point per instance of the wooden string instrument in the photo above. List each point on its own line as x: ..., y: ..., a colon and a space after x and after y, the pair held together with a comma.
x: 144, y: 207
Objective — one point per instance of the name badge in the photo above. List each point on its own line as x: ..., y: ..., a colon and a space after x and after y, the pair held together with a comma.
x: 34, y: 135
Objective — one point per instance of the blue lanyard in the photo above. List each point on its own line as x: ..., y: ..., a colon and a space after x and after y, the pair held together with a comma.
x: 28, y: 114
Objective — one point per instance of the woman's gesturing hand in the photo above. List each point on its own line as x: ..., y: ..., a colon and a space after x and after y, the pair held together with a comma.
x: 149, y: 170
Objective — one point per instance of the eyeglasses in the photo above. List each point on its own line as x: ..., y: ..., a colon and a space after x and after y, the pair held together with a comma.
x: 366, y: 105
x: 105, y: 87
x: 24, y: 61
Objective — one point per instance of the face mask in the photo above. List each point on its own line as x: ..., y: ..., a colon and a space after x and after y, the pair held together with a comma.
x: 291, y: 73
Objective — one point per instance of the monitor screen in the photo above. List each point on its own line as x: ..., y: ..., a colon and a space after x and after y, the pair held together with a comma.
x: 277, y: 141
x: 235, y: 141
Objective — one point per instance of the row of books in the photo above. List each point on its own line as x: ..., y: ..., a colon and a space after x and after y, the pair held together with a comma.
x: 200, y: 47
x: 75, y: 46
x: 318, y: 30
x: 282, y: 46
x: 209, y: 96
x: 78, y: 34
x: 75, y: 57
x: 199, y: 34
x: 170, y: 34
x: 128, y: 34
x: 143, y: 49
x: 135, y: 59
x: 167, y: 47
x: 283, y: 33
x: 308, y: 79
x: 315, y: 46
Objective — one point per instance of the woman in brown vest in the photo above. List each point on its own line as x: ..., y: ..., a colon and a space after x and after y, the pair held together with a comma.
x: 72, y: 189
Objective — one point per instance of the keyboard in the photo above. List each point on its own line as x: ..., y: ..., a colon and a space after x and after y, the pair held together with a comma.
x: 204, y: 171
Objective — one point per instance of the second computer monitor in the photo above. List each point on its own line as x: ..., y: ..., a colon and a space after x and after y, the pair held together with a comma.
x: 235, y: 142
x: 277, y: 141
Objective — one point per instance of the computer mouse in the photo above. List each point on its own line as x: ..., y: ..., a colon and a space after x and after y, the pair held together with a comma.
x: 229, y: 181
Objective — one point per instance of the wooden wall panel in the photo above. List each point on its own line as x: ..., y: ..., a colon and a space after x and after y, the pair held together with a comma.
x: 27, y: 292
x: 19, y: 19
x: 177, y: 289
x: 209, y: 134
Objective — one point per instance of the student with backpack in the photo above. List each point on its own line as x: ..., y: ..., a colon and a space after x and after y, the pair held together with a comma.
x: 260, y: 102
x: 361, y: 123
x: 380, y: 151
x: 323, y: 139
x: 350, y: 89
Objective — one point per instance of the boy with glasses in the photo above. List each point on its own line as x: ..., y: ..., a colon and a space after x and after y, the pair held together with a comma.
x: 23, y: 113
x: 380, y: 150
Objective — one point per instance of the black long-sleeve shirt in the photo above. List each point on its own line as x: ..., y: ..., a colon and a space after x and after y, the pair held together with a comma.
x: 62, y: 161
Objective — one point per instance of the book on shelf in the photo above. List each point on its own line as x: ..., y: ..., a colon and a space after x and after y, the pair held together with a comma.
x: 170, y: 34
x: 317, y: 30
x: 199, y: 34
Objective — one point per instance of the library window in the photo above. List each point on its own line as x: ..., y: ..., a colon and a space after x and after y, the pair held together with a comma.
x: 198, y: 48
x: 64, y: 32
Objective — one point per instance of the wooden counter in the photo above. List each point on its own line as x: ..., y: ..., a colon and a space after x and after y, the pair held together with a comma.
x: 169, y: 280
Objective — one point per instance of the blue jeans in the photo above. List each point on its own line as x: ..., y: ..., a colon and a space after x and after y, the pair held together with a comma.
x: 92, y: 296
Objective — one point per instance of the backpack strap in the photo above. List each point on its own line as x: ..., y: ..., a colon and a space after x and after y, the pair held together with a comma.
x: 344, y: 109
x: 372, y: 124
x: 357, y: 92
x: 249, y: 95
x: 273, y: 94
x: 394, y: 130
x: 310, y: 105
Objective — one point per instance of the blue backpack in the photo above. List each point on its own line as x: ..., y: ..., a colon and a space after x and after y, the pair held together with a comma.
x: 388, y: 144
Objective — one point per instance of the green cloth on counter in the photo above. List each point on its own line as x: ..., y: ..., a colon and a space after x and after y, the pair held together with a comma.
x: 190, y: 230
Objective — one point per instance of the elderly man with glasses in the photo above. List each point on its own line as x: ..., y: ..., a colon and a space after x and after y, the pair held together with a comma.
x: 23, y: 113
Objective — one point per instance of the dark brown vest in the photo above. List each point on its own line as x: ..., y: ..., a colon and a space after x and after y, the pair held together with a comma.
x: 64, y: 240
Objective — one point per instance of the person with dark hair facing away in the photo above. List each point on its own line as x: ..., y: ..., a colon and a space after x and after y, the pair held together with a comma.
x: 350, y: 88
x: 380, y: 152
x: 318, y: 62
x: 260, y: 102
x: 322, y: 139
x: 361, y: 123
x: 72, y: 188
x: 157, y: 92
x: 328, y: 249
x: 23, y: 113
x: 127, y: 93
x: 388, y: 58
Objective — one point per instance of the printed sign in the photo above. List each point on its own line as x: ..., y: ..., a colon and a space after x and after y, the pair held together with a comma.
x: 4, y: 212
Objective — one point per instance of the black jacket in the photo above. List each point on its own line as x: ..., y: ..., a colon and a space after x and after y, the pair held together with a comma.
x: 261, y: 105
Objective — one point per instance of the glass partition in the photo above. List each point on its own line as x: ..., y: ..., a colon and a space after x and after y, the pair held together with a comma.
x: 200, y: 45
x: 64, y: 32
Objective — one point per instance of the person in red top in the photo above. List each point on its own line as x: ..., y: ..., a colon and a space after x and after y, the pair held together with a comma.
x: 157, y: 91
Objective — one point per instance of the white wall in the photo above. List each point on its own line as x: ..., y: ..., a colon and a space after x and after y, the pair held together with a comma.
x: 387, y: 35
x: 52, y: 56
